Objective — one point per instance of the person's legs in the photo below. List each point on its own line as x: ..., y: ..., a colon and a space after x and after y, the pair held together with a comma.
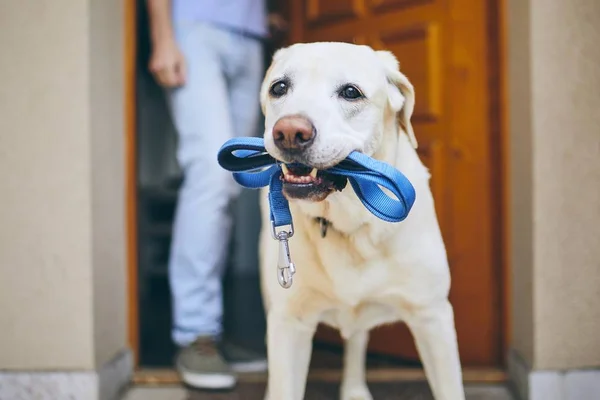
x: 201, y: 230
x: 245, y: 71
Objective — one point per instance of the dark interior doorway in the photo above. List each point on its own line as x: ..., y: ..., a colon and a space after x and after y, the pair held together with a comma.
x: 158, y: 181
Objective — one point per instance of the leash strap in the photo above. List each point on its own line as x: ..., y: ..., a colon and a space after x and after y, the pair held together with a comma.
x: 254, y: 168
x: 367, y: 177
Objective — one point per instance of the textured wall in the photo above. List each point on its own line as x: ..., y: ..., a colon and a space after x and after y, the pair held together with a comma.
x: 565, y: 39
x: 555, y: 181
x: 45, y: 232
x: 61, y: 179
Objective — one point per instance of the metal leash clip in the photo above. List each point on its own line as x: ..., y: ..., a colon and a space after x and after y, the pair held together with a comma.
x: 285, y: 266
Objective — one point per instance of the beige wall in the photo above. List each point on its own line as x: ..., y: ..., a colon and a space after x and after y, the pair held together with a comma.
x: 555, y: 181
x: 62, y: 274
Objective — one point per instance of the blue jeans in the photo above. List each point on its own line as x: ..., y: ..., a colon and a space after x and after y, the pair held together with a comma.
x: 220, y: 100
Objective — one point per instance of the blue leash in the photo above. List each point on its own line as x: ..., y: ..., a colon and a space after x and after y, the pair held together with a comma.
x: 254, y: 168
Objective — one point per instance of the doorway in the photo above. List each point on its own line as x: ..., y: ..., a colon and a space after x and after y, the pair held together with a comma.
x: 449, y: 49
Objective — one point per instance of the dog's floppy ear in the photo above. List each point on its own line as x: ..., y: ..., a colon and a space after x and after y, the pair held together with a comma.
x: 401, y: 93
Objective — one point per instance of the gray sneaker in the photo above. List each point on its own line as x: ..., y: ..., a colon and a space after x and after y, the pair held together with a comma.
x: 201, y: 366
x: 241, y: 359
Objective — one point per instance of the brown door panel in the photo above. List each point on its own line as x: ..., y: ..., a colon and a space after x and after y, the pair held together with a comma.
x: 443, y: 48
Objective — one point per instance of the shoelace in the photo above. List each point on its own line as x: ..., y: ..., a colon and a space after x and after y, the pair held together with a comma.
x: 254, y: 168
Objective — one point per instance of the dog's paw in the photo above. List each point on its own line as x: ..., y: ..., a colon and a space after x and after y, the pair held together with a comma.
x: 356, y: 392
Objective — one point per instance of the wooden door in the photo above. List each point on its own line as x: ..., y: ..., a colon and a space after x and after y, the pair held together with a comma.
x: 443, y: 48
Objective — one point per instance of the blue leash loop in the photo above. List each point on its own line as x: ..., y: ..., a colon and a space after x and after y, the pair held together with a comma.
x: 254, y: 168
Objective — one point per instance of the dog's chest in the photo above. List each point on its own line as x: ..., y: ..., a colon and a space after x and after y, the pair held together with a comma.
x: 354, y: 284
x: 358, y: 268
x: 365, y: 295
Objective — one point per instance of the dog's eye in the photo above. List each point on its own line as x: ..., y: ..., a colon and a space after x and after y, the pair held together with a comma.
x: 350, y: 92
x: 278, y: 89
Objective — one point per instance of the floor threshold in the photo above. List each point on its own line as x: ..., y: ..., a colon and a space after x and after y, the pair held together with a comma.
x: 375, y: 375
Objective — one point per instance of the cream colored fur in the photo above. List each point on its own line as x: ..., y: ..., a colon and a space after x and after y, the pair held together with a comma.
x: 365, y: 272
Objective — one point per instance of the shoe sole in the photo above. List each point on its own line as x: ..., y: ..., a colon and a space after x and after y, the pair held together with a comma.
x: 251, y: 366
x: 207, y: 381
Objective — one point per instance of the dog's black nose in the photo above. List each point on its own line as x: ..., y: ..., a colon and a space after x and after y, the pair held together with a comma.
x: 293, y: 133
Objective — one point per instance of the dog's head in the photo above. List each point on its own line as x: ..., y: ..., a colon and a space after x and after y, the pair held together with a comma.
x: 324, y: 100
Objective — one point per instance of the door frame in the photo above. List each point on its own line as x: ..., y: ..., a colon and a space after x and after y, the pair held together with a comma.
x: 500, y: 122
x: 497, y: 79
x: 131, y: 198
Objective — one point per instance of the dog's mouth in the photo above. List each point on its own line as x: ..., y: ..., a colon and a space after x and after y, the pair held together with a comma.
x: 308, y: 183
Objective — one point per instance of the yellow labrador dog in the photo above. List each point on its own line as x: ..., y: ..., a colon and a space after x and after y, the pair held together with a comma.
x: 321, y: 101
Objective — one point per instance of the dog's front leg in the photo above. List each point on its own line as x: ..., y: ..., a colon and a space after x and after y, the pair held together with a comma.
x: 435, y: 336
x: 289, y: 350
x: 354, y: 385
